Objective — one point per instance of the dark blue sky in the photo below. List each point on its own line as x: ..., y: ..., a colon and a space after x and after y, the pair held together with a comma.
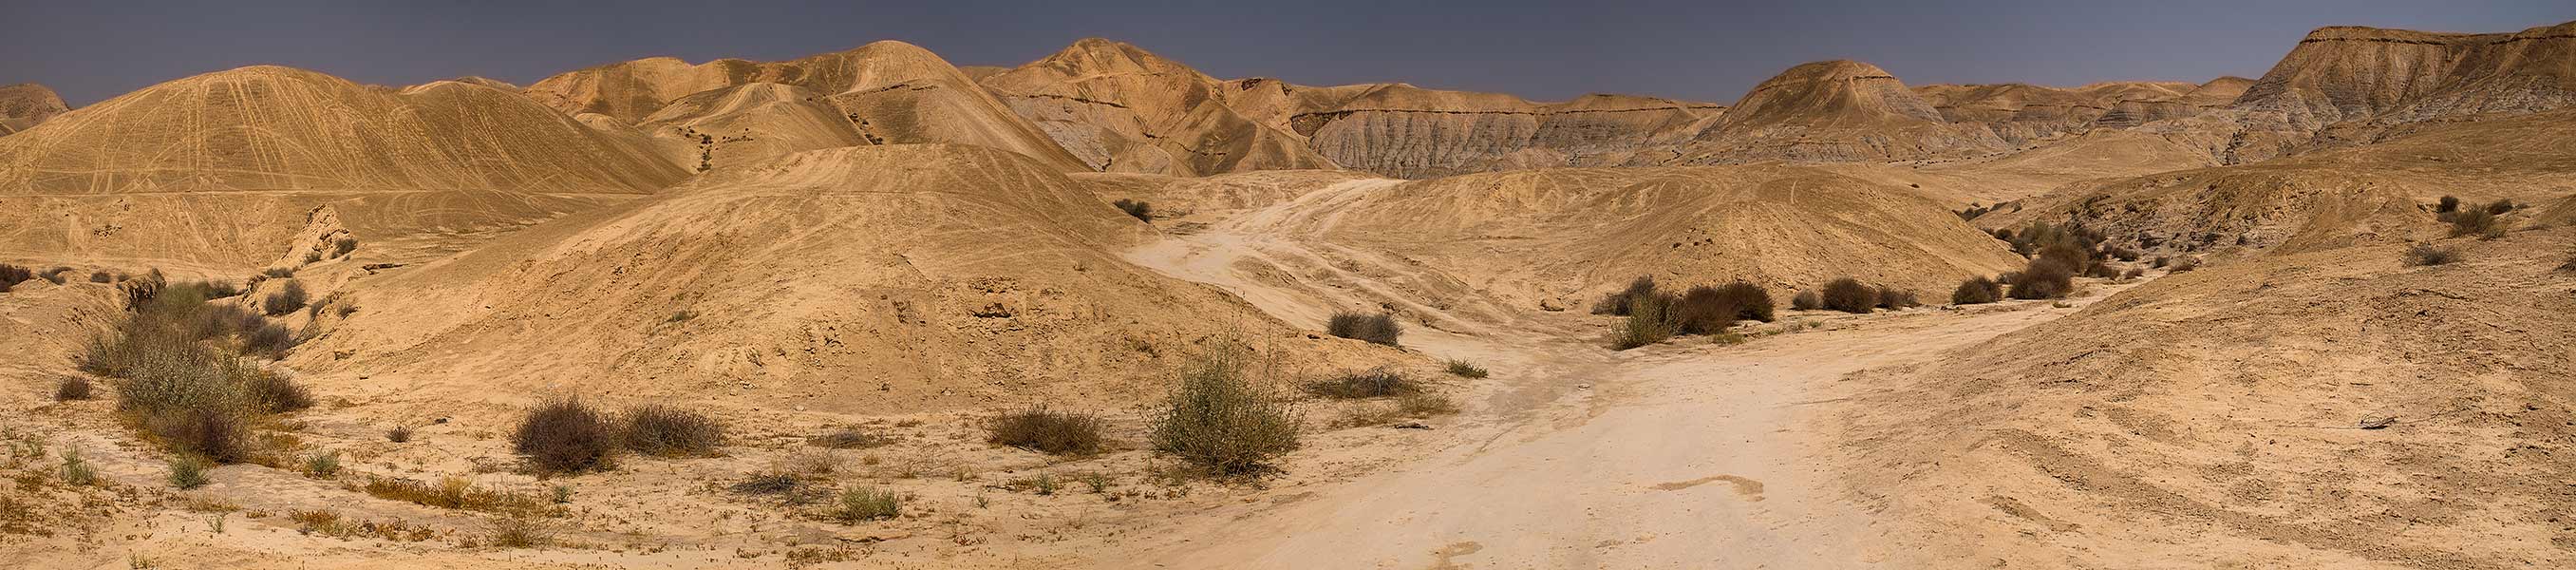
x: 1710, y: 51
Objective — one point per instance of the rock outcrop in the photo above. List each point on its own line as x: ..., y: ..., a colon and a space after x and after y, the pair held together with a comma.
x: 25, y: 104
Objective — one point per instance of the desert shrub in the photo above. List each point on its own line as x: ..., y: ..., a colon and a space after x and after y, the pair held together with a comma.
x: 270, y: 340
x: 1977, y: 290
x: 2132, y: 273
x: 1378, y: 383
x: 101, y: 277
x: 563, y: 436
x: 847, y: 438
x: 11, y: 275
x: 1379, y: 328
x: 322, y: 465
x: 188, y: 472
x: 2426, y: 254
x: 517, y: 532
x: 867, y: 504
x: 2472, y: 221
x: 1618, y: 304
x: 2499, y: 207
x: 140, y: 290
x: 1423, y: 404
x: 1216, y: 419
x: 398, y: 434
x: 668, y: 431
x: 2183, y: 265
x: 277, y: 273
x: 2448, y: 204
x: 274, y: 393
x: 2038, y: 236
x: 1702, y: 310
x: 1751, y: 301
x: 1651, y: 319
x: 76, y: 471
x: 286, y: 300
x: 1141, y: 210
x: 214, y: 434
x: 71, y: 388
x: 1043, y: 430
x: 2101, y: 270
x: 1464, y: 369
x: 1850, y: 296
x: 55, y: 275
x: 1807, y: 301
x: 341, y: 247
x: 1892, y: 298
x: 2043, y: 280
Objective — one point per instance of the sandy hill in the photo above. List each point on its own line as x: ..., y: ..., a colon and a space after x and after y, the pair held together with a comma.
x: 1562, y: 236
x: 25, y: 104
x: 2215, y: 417
x: 1410, y: 132
x: 2022, y: 113
x: 748, y: 123
x: 2369, y: 78
x: 1124, y: 109
x: 1835, y: 111
x: 223, y: 167
x: 2369, y: 194
x: 891, y: 91
x: 896, y: 278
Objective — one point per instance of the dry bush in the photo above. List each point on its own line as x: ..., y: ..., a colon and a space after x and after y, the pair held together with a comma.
x: 273, y: 393
x: 1976, y: 291
x: 341, y: 247
x: 1751, y: 301
x: 1702, y: 310
x: 518, y: 533
x: 12, y: 275
x: 1650, y: 320
x: 1379, y: 328
x: 453, y: 493
x: 847, y: 438
x: 1143, y: 211
x: 188, y: 472
x: 1850, y: 296
x: 322, y: 465
x: 563, y: 436
x: 270, y: 340
x: 398, y: 434
x: 1217, y: 419
x: 668, y: 431
x: 1043, y: 430
x: 1378, y: 383
x: 1892, y: 298
x: 216, y: 434
x: 1807, y: 301
x: 101, y: 277
x: 71, y: 388
x: 2183, y: 265
x: 2500, y: 207
x: 1425, y: 404
x: 1464, y: 369
x: 1618, y: 304
x: 2423, y: 254
x: 2043, y: 280
x: 867, y: 504
x: 277, y: 273
x: 288, y: 299
x: 55, y: 275
x: 2474, y: 222
x: 2448, y: 204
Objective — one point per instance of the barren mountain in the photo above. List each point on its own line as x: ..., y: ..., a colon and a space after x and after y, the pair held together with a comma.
x: 1405, y: 131
x: 1835, y: 111
x: 2363, y: 80
x: 748, y: 123
x: 1123, y: 109
x: 2022, y: 114
x: 891, y: 91
x: 25, y: 104
x: 223, y: 168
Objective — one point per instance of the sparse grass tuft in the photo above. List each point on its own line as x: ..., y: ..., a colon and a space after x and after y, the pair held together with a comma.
x: 867, y: 504
x: 668, y: 431
x: 1850, y: 296
x: 322, y: 465
x: 188, y: 472
x: 1048, y: 431
x: 1379, y: 328
x: 1425, y: 404
x: 398, y: 434
x: 518, y: 533
x: 71, y: 388
x: 1378, y: 383
x: 2424, y: 254
x: 76, y: 470
x: 1464, y: 369
x: 453, y: 493
x: 563, y: 436
x: 1977, y: 291
x: 847, y: 438
x: 1217, y: 419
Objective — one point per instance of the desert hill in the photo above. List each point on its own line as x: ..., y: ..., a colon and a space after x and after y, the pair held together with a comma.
x: 2218, y: 416
x: 1410, y: 132
x: 892, y: 92
x: 1835, y: 111
x: 2022, y: 113
x: 2360, y: 81
x: 25, y: 104
x: 748, y: 123
x: 1123, y: 109
x: 223, y: 168
x: 894, y: 278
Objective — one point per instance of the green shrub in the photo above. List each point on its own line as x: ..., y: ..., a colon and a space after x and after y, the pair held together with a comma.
x: 867, y: 504
x: 668, y: 431
x: 1650, y: 320
x: 322, y: 465
x: 1850, y: 296
x: 289, y: 299
x: 188, y: 472
x: 76, y: 471
x: 1047, y: 431
x: 1216, y: 419
x: 1976, y: 291
x: 1379, y: 328
x: 1377, y: 383
x: 563, y: 436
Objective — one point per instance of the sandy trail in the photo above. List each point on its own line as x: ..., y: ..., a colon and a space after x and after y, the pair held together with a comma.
x: 1685, y: 455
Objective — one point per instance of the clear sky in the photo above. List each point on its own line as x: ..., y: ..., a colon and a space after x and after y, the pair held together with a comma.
x: 1711, y: 51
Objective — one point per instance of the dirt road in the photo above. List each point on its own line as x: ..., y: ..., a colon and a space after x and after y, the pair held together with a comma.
x: 1683, y: 455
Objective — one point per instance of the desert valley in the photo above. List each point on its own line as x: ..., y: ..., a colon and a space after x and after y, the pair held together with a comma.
x: 869, y: 309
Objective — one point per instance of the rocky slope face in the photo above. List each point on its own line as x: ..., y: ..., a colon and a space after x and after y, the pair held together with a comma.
x: 1409, y: 132
x: 2022, y: 114
x: 2346, y: 85
x: 1123, y: 109
x: 891, y: 91
x: 25, y: 104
